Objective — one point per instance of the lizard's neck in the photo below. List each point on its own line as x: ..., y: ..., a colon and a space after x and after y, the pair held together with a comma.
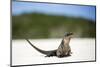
x: 66, y: 40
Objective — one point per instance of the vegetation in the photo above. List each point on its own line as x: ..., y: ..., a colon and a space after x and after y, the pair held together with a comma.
x: 37, y: 25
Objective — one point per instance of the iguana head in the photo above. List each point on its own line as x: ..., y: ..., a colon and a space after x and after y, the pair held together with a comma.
x: 68, y: 34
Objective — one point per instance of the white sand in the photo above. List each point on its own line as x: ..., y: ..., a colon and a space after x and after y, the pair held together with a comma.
x: 23, y: 53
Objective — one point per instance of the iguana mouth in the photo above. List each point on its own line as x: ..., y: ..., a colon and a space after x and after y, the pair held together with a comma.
x: 68, y: 34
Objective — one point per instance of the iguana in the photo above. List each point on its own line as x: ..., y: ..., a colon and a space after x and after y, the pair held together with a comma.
x: 63, y: 49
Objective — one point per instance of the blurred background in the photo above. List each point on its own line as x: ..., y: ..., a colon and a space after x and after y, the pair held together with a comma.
x: 46, y: 20
x: 44, y: 24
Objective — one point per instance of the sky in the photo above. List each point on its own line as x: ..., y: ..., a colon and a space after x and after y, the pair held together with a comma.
x: 87, y: 12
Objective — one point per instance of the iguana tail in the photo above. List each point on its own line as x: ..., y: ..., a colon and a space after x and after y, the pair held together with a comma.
x: 41, y: 51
